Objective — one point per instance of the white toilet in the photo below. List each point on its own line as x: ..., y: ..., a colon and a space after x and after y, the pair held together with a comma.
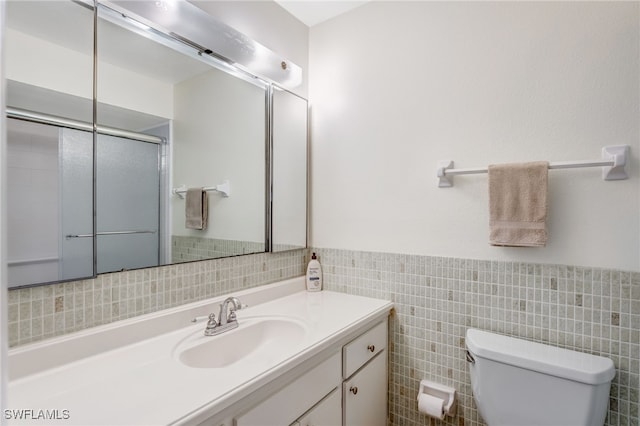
x: 516, y: 382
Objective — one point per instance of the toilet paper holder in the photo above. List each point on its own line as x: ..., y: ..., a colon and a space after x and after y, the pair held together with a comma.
x: 446, y: 393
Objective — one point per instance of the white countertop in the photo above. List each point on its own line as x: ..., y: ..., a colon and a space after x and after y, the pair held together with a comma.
x: 144, y: 383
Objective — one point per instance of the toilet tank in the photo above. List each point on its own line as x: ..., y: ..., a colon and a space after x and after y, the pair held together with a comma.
x: 517, y: 382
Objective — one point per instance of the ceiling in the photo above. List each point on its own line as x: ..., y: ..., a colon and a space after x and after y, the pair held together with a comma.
x: 312, y: 12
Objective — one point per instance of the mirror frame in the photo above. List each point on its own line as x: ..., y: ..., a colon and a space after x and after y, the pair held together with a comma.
x: 270, y: 155
x: 235, y: 46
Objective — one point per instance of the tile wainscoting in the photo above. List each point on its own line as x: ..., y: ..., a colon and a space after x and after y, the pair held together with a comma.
x: 586, y: 309
x: 40, y: 312
x: 192, y: 248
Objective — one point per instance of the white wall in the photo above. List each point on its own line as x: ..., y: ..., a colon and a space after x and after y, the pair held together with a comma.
x: 397, y: 86
x: 218, y: 134
x: 71, y: 72
x: 4, y: 341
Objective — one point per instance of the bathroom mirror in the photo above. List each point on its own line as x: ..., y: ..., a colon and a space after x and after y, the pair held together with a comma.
x: 289, y: 171
x: 210, y: 129
x: 168, y: 116
x: 49, y: 72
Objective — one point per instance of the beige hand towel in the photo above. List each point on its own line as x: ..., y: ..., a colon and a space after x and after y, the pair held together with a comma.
x: 518, y: 204
x: 196, y: 209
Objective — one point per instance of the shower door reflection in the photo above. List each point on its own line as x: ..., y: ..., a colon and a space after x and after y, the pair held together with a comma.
x: 127, y: 200
x: 76, y: 204
x: 128, y: 203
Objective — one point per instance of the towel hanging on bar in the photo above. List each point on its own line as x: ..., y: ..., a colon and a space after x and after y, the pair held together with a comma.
x: 196, y: 209
x: 518, y: 204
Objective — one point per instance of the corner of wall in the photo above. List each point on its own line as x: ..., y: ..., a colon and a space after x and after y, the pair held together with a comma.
x: 4, y: 341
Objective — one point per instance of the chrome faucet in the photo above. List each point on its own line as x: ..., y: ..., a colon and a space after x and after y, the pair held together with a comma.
x: 223, y: 317
x: 226, y: 318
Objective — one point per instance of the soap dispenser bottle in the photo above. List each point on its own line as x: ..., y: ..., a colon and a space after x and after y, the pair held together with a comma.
x: 314, y: 274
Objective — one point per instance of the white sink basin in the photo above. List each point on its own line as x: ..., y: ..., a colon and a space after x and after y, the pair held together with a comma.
x: 255, y: 339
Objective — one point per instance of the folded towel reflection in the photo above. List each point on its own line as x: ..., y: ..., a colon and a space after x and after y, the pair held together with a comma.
x: 196, y: 209
x: 518, y: 204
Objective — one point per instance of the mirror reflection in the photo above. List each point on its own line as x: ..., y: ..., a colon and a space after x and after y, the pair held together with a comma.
x: 289, y: 171
x: 212, y: 130
x: 49, y: 70
x: 168, y: 119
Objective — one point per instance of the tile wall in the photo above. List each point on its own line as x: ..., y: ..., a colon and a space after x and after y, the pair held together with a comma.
x: 190, y: 248
x: 586, y: 309
x: 46, y: 311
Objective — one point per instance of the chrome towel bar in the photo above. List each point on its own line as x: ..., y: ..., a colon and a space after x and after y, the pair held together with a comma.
x: 110, y: 233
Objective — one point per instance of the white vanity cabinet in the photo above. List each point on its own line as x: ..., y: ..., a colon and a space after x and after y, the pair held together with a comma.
x: 327, y: 412
x: 288, y: 403
x: 364, y: 390
x: 349, y: 389
x: 324, y: 344
x: 365, y: 395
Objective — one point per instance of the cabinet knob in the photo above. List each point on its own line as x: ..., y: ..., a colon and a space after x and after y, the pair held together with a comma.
x: 371, y: 348
x: 353, y: 390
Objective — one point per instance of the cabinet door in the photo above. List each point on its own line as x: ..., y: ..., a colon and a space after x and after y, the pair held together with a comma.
x: 289, y: 403
x: 328, y: 412
x: 365, y: 394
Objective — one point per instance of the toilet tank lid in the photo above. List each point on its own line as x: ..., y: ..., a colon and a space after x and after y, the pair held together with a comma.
x: 572, y: 365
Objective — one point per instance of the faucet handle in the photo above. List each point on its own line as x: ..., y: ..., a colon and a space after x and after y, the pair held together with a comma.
x: 232, y: 311
x: 211, y: 325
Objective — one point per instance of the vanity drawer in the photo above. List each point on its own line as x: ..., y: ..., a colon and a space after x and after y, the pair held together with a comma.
x: 356, y: 353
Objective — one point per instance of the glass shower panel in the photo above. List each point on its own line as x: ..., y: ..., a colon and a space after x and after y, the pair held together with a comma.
x: 33, y: 219
x: 48, y: 70
x: 128, y: 203
x: 76, y: 204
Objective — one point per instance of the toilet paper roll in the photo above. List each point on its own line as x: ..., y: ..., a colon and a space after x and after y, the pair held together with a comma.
x: 431, y: 405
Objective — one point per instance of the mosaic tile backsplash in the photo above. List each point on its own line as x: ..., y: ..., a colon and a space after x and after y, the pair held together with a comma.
x: 40, y: 312
x: 436, y: 299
